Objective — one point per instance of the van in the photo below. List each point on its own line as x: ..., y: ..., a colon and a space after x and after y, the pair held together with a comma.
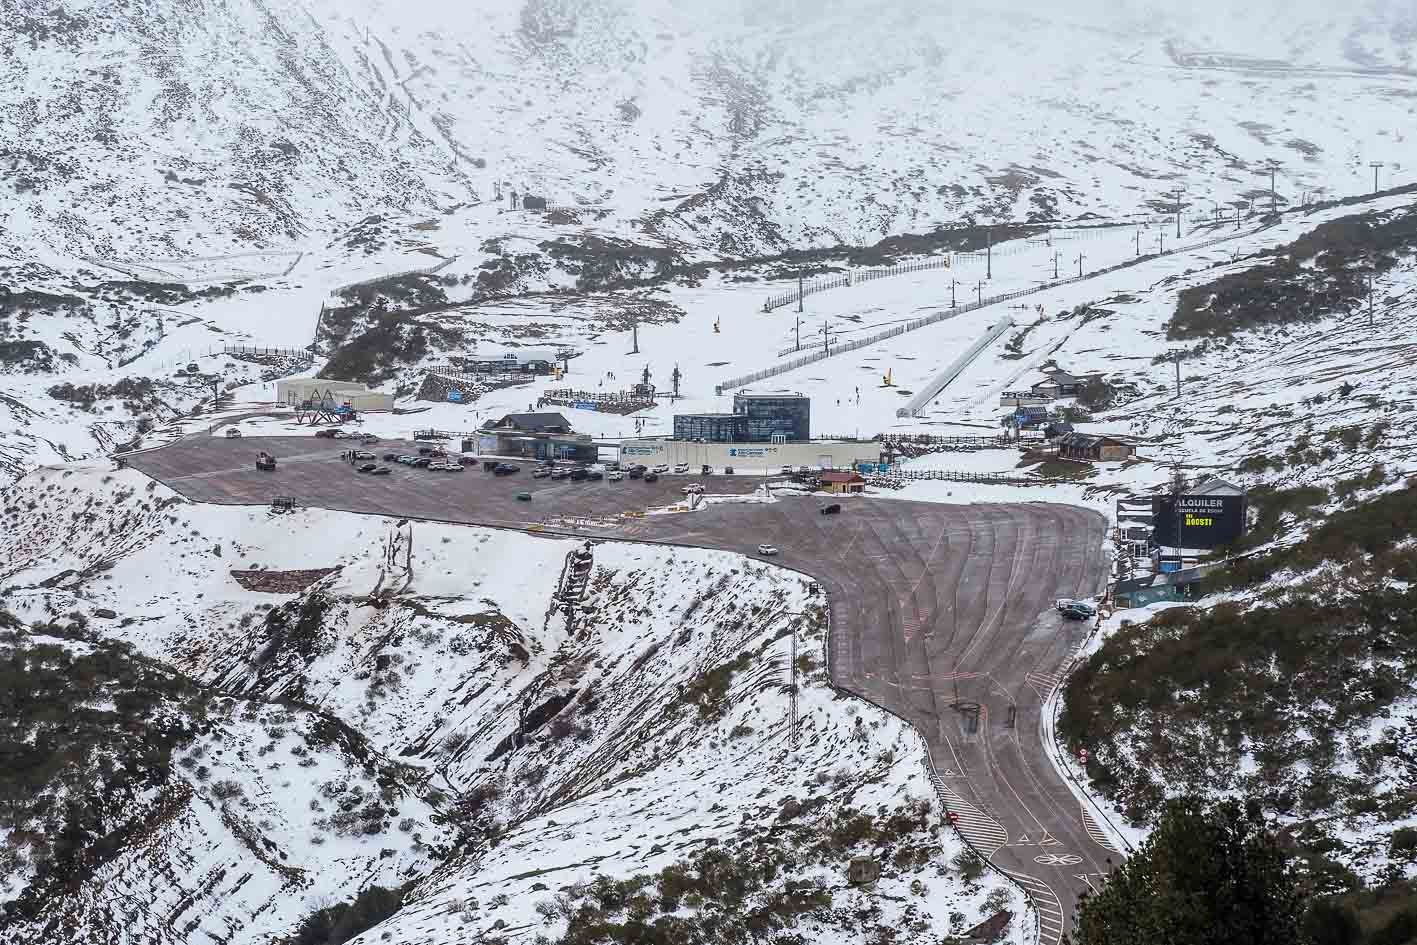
x: 832, y: 509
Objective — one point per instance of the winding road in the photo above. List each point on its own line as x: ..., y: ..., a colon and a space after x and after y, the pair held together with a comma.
x: 941, y: 614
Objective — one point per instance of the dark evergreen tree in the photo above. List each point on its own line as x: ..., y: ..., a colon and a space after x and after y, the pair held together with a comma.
x: 1207, y: 875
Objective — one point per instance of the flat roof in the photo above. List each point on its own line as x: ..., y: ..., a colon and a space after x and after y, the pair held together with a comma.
x: 771, y: 393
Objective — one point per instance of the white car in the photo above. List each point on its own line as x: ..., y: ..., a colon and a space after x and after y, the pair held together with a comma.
x: 693, y: 488
x: 767, y: 550
x: 452, y: 467
x: 232, y: 433
x: 681, y: 467
x: 616, y: 476
x: 661, y: 468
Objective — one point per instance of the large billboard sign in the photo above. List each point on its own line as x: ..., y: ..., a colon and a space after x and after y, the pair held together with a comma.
x: 1198, y: 521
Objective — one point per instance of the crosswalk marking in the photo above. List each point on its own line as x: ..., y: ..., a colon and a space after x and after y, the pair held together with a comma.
x: 1050, y: 910
x: 1095, y: 832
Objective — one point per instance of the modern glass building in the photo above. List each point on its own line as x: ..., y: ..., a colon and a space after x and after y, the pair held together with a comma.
x: 711, y: 427
x: 775, y: 415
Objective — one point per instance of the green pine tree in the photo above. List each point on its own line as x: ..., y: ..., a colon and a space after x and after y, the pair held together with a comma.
x: 1207, y: 875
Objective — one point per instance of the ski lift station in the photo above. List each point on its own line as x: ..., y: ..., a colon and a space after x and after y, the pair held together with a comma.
x: 306, y: 390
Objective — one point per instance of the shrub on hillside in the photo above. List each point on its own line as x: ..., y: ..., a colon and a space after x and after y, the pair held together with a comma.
x: 334, y: 925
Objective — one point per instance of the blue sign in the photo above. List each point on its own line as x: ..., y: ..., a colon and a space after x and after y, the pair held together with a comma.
x: 883, y: 467
x: 865, y: 467
x: 583, y: 405
x: 455, y: 396
x: 1169, y: 567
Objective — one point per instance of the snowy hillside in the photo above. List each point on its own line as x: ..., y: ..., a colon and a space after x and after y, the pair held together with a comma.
x: 168, y: 130
x: 584, y: 719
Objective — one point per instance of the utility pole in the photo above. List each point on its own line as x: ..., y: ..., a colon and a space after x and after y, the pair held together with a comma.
x: 799, y: 293
x: 826, y: 339
x: 979, y: 288
x: 1161, y: 242
x: 1178, y: 375
x: 1372, y: 270
x: 798, y: 345
x: 1375, y: 165
x: 1177, y: 194
x: 1138, y: 239
x: 1273, y: 194
x: 1081, y: 257
x: 1056, y: 256
x: 635, y: 334
x: 953, y: 283
x: 989, y: 253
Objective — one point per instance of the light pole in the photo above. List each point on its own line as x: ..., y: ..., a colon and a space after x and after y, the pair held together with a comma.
x: 1081, y: 257
x: 989, y: 253
x: 1375, y: 165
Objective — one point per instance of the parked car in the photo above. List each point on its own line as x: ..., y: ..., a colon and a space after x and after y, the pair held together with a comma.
x: 692, y: 488
x: 391, y: 457
x: 1077, y: 611
x: 232, y: 433
x: 636, y: 472
x: 728, y: 470
x: 422, y: 462
x: 615, y: 476
x: 424, y: 450
x: 705, y: 470
x: 1064, y: 603
x: 325, y: 434
x: 579, y: 475
x: 265, y: 462
x: 662, y: 468
x: 506, y: 469
x: 364, y: 454
x: 786, y: 470
x: 407, y: 460
x: 832, y: 509
x: 681, y: 467
x: 767, y: 550
x: 368, y: 439
x: 651, y: 477
x: 560, y: 474
x: 803, y: 470
x: 368, y: 467
x: 541, y: 472
x: 594, y: 474
x: 380, y: 471
x: 524, y: 496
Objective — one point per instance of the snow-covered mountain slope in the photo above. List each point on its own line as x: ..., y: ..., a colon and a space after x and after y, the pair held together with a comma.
x: 172, y: 130
x: 609, y: 712
x: 141, y: 807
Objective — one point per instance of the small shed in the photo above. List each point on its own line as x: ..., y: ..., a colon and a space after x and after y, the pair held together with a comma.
x: 842, y: 481
x: 1094, y: 448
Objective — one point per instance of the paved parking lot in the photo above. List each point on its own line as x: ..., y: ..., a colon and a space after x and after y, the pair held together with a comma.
x: 940, y: 613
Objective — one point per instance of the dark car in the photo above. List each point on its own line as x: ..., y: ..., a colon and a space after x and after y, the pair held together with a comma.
x: 425, y: 450
x: 728, y: 470
x: 832, y: 509
x: 490, y: 465
x: 421, y: 462
x: 705, y: 470
x: 651, y: 477
x: 380, y: 471
x: 391, y: 457
x: 595, y: 474
x: 579, y: 475
x: 1077, y: 611
x: 636, y: 472
x: 506, y: 469
x: 368, y: 467
x: 325, y: 434
x: 524, y: 496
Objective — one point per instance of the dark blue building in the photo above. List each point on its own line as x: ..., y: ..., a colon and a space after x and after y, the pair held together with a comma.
x: 711, y: 427
x: 776, y: 415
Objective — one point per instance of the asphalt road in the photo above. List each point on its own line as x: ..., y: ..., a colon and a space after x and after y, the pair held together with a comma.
x: 942, y: 614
